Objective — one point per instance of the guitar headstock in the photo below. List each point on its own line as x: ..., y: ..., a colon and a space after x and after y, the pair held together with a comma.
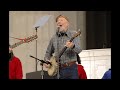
x: 77, y: 33
x: 31, y: 38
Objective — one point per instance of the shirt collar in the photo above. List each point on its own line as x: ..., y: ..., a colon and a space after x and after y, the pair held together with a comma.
x: 67, y: 33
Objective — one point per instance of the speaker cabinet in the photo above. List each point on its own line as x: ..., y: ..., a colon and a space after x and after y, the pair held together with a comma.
x: 38, y: 75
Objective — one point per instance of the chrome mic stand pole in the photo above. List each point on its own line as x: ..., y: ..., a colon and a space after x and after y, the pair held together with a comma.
x: 40, y: 23
x: 36, y: 47
x: 42, y: 73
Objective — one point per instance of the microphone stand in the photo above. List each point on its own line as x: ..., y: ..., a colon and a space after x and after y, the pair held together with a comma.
x: 42, y: 72
x: 41, y: 64
x: 42, y: 61
x: 36, y: 48
x: 40, y: 23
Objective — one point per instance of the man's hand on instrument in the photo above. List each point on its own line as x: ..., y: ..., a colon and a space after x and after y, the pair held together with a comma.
x: 69, y: 44
x: 46, y: 65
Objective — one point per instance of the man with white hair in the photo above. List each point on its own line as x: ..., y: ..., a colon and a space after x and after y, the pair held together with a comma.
x: 68, y: 68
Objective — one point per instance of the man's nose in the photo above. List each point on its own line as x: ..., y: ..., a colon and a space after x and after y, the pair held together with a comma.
x: 58, y: 22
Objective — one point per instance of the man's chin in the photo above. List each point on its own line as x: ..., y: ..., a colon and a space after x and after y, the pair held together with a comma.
x: 62, y: 30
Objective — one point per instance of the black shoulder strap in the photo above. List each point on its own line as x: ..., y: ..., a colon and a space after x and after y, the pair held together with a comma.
x: 78, y: 59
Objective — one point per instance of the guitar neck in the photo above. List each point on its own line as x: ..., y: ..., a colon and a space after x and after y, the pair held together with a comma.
x: 17, y: 44
x: 63, y: 50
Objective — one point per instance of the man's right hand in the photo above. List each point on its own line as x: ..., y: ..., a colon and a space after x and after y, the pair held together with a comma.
x: 47, y: 65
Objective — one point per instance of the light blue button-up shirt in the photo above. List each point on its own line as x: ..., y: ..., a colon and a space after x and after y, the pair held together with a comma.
x: 57, y: 43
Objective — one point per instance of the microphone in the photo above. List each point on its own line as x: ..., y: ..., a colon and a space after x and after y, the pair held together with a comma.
x: 47, y: 62
x: 59, y: 26
x: 58, y: 30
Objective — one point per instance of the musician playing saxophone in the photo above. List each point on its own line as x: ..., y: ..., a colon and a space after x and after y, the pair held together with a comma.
x: 67, y: 64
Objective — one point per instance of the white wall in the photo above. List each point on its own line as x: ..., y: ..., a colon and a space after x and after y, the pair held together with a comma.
x: 96, y: 62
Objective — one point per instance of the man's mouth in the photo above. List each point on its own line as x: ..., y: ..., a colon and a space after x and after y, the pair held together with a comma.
x: 60, y: 25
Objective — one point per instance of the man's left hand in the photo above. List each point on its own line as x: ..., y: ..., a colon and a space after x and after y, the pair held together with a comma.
x: 69, y: 44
